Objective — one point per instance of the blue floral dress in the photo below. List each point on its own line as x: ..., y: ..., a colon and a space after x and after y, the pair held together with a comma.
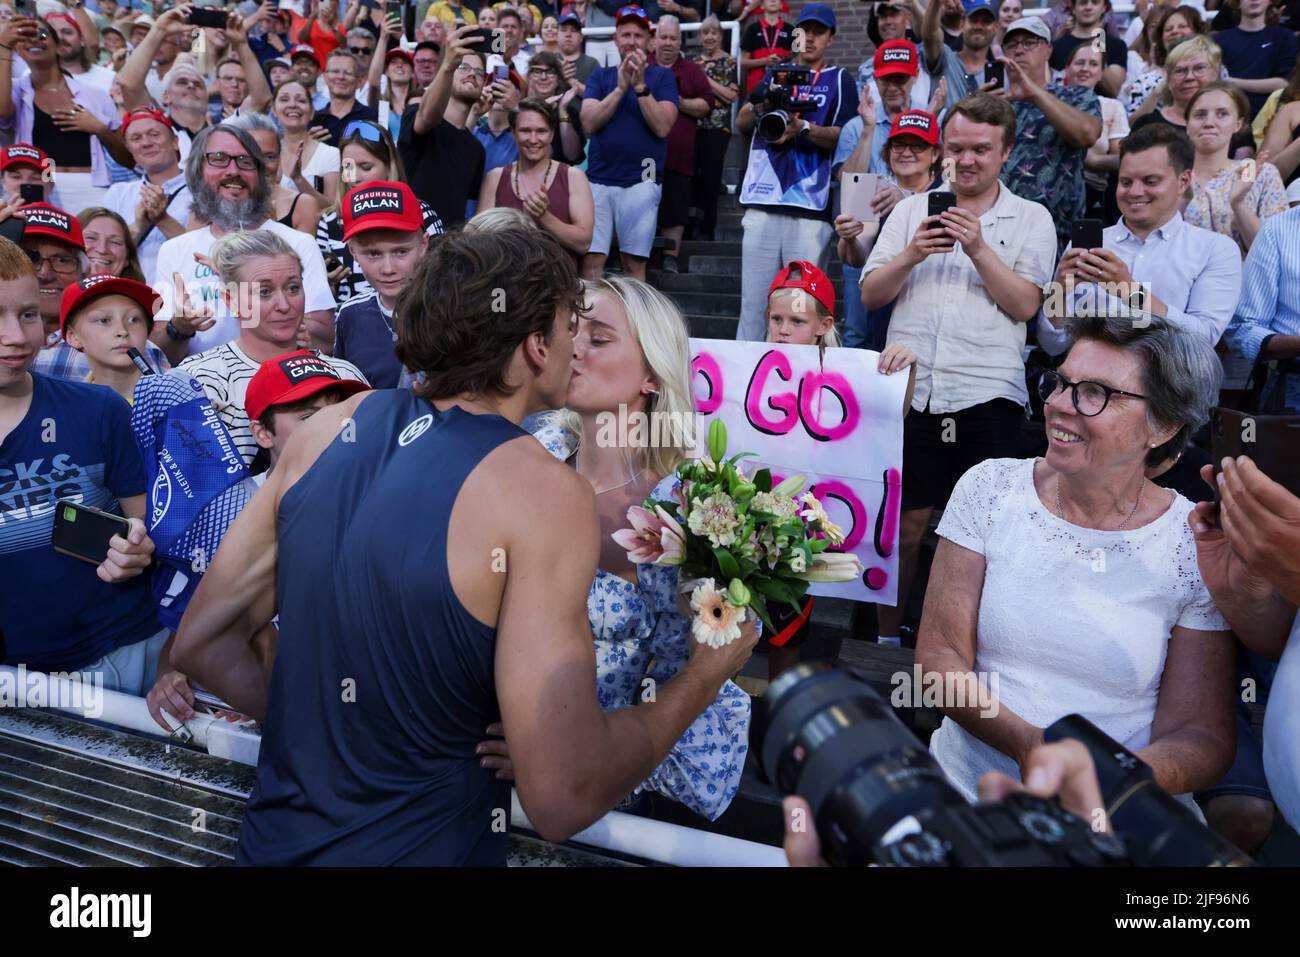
x: 640, y: 634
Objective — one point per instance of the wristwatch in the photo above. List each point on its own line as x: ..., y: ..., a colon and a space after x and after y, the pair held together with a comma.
x: 645, y: 92
x: 176, y: 335
x: 805, y: 130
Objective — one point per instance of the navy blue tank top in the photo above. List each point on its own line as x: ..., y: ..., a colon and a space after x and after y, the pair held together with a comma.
x: 383, y: 683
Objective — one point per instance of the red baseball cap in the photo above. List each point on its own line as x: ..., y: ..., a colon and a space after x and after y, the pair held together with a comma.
x: 303, y: 49
x: 399, y: 52
x: 916, y: 123
x: 381, y: 205
x: 897, y: 56
x: 93, y: 287
x: 22, y: 154
x: 292, y: 377
x: 634, y: 13
x: 132, y: 116
x: 811, y: 280
x: 46, y: 220
x: 64, y: 16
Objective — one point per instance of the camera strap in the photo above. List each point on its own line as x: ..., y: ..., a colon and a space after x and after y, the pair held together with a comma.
x: 166, y: 207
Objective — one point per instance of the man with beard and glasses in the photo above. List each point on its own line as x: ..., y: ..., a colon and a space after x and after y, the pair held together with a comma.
x: 226, y: 174
x: 75, y: 54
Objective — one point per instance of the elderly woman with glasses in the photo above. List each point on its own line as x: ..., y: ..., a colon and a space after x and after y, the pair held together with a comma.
x: 1069, y: 584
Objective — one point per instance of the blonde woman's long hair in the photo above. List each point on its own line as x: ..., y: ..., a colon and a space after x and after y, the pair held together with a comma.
x: 660, y: 331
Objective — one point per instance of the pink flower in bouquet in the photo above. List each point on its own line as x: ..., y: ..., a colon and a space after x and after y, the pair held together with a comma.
x: 654, y: 538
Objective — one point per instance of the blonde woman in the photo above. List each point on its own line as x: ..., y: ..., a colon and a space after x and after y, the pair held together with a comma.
x: 631, y: 364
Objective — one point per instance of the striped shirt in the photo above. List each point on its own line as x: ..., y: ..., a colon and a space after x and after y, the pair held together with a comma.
x: 1270, y: 292
x: 329, y: 237
x: 225, y: 371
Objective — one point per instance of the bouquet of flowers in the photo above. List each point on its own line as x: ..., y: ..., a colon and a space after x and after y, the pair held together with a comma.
x: 740, y: 543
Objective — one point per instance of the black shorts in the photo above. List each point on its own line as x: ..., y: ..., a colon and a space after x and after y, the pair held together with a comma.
x: 938, y: 449
x: 675, y: 200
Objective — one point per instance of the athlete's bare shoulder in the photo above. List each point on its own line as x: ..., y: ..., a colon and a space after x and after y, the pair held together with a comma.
x: 311, y: 439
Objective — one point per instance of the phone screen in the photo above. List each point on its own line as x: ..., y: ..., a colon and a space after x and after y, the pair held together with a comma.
x: 204, y: 17
x: 84, y: 532
x: 32, y: 193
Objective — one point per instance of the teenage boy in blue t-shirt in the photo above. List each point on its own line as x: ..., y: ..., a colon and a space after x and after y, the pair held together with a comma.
x: 627, y: 110
x: 71, y: 441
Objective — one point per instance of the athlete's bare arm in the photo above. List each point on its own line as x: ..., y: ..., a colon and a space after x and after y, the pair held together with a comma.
x: 214, y: 644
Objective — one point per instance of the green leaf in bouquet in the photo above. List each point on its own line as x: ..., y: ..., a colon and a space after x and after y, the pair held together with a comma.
x: 818, y: 545
x: 726, y: 563
x: 774, y: 588
x: 717, y: 440
x: 759, y: 605
x: 747, y: 567
x: 798, y: 587
x: 741, y: 455
x: 763, y: 480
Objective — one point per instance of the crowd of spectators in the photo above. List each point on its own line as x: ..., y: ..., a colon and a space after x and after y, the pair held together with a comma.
x: 1116, y: 251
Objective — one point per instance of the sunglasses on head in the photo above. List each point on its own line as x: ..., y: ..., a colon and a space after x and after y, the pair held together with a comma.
x: 365, y: 129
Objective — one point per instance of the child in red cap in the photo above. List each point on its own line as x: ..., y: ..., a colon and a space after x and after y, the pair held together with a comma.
x: 801, y: 311
x: 103, y: 316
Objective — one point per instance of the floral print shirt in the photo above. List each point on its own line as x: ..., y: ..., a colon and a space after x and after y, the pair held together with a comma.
x: 721, y: 70
x: 641, y: 634
x: 1042, y: 166
x: 1211, y: 206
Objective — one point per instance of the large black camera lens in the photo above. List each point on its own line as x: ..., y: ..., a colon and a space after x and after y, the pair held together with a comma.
x: 771, y: 126
x: 833, y: 740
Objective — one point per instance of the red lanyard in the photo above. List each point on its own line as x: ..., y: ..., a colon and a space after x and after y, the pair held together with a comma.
x: 770, y: 41
x: 812, y: 84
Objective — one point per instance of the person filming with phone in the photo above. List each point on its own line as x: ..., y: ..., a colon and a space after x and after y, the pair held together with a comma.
x: 965, y: 270
x: 1152, y: 262
x: 87, y: 608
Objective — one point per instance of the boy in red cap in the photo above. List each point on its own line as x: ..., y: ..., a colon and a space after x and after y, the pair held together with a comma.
x: 801, y: 311
x: 288, y: 391
x: 383, y: 226
x: 21, y: 165
x: 102, y: 317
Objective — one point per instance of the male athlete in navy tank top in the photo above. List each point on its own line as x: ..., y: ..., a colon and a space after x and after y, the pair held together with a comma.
x: 403, y: 690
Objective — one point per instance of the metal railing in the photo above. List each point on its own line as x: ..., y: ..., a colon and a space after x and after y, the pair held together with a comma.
x: 627, y: 834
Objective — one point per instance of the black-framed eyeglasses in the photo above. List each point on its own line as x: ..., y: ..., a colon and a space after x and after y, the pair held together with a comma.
x: 222, y: 160
x: 1090, y: 398
x: 361, y: 51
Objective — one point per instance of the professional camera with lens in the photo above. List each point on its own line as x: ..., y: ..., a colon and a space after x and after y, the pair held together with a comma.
x: 877, y: 797
x: 777, y: 100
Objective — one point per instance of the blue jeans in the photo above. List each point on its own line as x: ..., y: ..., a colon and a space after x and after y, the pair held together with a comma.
x: 130, y: 669
x: 863, y: 328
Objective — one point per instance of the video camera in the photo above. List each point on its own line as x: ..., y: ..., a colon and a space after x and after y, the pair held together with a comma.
x: 878, y: 797
x: 776, y: 100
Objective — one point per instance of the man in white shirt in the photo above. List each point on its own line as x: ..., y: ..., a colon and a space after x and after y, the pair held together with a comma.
x: 226, y: 174
x: 157, y: 206
x: 1151, y: 261
x: 963, y: 286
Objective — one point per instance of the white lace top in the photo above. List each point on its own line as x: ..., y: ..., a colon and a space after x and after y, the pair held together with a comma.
x: 1072, y: 620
